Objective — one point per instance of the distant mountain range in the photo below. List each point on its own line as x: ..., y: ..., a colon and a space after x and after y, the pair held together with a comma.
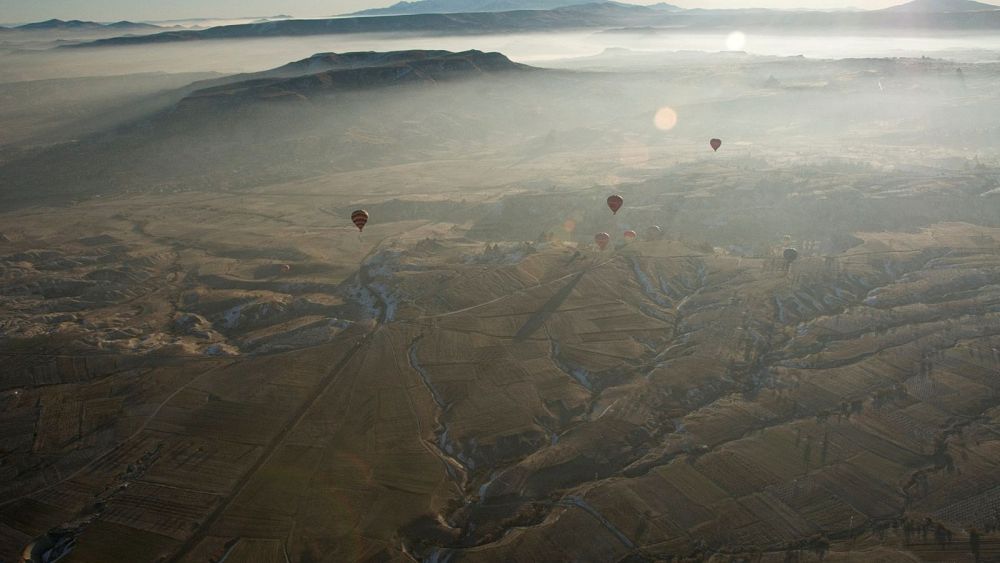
x: 189, y: 21
x: 942, y: 6
x: 473, y: 6
x: 580, y: 16
x: 947, y: 15
x: 84, y: 25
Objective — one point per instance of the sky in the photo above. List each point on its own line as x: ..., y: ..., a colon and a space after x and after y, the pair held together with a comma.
x: 14, y: 11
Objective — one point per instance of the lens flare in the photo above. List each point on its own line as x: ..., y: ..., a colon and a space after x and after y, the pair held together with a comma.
x: 736, y: 41
x: 665, y: 119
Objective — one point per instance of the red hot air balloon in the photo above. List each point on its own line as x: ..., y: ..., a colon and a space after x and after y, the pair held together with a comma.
x: 631, y: 235
x: 615, y: 203
x: 602, y: 240
x: 716, y: 143
x: 360, y: 219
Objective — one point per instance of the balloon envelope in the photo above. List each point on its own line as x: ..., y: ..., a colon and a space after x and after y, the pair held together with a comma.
x: 631, y: 235
x: 286, y: 268
x: 790, y: 254
x: 602, y: 240
x: 654, y: 232
x: 716, y: 143
x: 360, y: 219
x: 615, y: 203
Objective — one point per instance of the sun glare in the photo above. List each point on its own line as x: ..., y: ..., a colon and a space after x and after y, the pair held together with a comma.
x: 736, y: 41
x: 665, y: 118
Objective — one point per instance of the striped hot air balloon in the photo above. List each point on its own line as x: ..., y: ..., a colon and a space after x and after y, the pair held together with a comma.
x: 360, y: 219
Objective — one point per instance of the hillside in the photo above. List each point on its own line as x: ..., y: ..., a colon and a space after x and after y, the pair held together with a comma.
x: 328, y: 72
x: 328, y: 122
x: 357, y: 71
x: 942, y: 6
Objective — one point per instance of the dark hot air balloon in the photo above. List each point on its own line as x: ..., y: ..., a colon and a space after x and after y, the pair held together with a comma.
x: 360, y: 219
x: 654, y: 233
x: 615, y: 203
x: 630, y: 235
x: 602, y: 240
x: 285, y: 268
x: 790, y: 255
x: 716, y: 143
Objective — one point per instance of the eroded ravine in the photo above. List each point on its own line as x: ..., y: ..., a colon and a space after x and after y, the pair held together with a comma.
x: 765, y: 353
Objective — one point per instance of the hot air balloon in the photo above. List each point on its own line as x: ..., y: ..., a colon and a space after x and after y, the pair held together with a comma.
x: 602, y: 240
x: 654, y: 233
x: 790, y: 255
x: 615, y: 203
x: 630, y: 235
x: 285, y: 268
x: 360, y: 219
x: 716, y: 143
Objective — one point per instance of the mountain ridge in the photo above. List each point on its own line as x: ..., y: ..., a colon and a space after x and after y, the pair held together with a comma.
x: 581, y: 16
x: 576, y: 16
x: 82, y: 25
x: 942, y: 6
x: 406, y: 7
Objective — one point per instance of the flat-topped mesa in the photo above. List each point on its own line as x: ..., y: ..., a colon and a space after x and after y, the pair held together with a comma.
x: 327, y: 73
x: 322, y: 62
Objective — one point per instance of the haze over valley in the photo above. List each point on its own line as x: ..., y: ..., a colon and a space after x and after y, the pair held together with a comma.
x: 785, y: 349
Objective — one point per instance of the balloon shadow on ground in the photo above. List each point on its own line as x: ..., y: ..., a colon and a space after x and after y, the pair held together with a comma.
x: 550, y: 306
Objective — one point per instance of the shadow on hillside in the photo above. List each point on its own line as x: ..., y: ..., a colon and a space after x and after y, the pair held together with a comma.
x: 550, y: 306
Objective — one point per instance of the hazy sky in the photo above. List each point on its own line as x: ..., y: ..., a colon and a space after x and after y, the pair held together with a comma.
x: 112, y: 10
